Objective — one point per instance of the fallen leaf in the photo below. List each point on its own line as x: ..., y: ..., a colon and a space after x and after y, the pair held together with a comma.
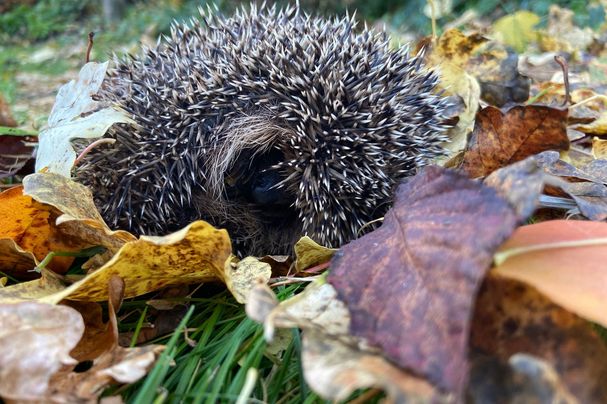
x: 308, y: 254
x: 502, y: 138
x: 522, y: 379
x: 511, y: 317
x: 599, y: 148
x: 31, y: 227
x: 197, y: 253
x: 75, y: 115
x: 335, y: 364
x: 241, y: 275
x: 410, y: 285
x: 517, y: 29
x: 450, y: 56
x: 496, y: 69
x: 562, y: 34
x: 520, y: 184
x: 15, y: 153
x: 36, y: 339
x: 566, y: 260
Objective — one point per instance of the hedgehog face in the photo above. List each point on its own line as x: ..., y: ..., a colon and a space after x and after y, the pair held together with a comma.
x: 272, y: 124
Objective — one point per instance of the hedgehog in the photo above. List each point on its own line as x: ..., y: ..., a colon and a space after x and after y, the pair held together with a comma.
x: 271, y: 123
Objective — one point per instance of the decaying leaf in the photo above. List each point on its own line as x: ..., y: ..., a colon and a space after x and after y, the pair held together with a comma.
x: 335, y: 364
x: 15, y: 152
x: 410, y: 285
x: 450, y: 56
x: 36, y: 339
x: 520, y: 184
x: 502, y: 138
x: 496, y: 69
x: 75, y: 115
x: 196, y: 253
x: 522, y: 379
x: 511, y: 317
x: 309, y: 254
x: 111, y: 363
x: 241, y: 275
x: 28, y: 227
x: 566, y: 260
x: 80, y: 217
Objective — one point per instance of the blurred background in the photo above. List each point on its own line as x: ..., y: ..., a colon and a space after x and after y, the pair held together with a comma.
x: 43, y: 42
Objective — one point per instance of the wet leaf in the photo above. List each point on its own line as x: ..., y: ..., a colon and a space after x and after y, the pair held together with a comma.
x: 410, y: 285
x: 502, y: 138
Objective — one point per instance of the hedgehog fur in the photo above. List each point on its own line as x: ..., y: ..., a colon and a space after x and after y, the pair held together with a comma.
x: 271, y: 123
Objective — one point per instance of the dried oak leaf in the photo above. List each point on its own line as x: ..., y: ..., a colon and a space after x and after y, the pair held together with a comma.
x: 512, y: 317
x: 410, y: 285
x: 502, y: 138
x: 36, y: 340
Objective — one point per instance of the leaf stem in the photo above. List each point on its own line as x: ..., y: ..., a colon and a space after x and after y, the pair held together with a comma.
x: 500, y: 257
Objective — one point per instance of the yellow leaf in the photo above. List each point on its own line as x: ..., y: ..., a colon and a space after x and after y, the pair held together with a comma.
x: 517, y: 30
x: 194, y: 254
x: 241, y: 276
x: 309, y: 253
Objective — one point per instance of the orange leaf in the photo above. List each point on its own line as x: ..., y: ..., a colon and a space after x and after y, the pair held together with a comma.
x: 566, y: 260
x: 31, y: 225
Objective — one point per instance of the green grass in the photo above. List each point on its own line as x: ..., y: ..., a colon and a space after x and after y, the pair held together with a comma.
x: 227, y: 346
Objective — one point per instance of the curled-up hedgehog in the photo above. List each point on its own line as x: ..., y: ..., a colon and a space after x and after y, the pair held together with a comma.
x: 271, y: 123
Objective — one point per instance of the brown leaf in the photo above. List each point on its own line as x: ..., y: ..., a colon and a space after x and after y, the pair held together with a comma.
x: 410, y: 285
x: 502, y: 138
x: 520, y: 184
x: 335, y: 364
x: 512, y: 317
x: 523, y: 379
x: 36, y: 339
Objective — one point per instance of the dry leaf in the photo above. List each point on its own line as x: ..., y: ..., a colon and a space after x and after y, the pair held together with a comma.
x: 194, y: 254
x: 241, y: 275
x: 31, y: 226
x: 410, y: 285
x: 334, y: 363
x: 36, y: 339
x: 502, y: 138
x: 564, y: 259
x: 309, y: 254
x: 512, y: 317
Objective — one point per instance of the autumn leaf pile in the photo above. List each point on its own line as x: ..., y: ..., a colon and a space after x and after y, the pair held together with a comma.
x: 486, y: 282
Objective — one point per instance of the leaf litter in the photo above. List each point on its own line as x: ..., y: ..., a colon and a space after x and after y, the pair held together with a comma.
x: 451, y: 299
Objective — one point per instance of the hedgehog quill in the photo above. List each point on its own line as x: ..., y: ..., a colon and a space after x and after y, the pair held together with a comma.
x: 270, y: 123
